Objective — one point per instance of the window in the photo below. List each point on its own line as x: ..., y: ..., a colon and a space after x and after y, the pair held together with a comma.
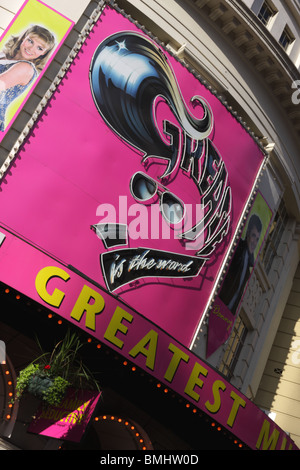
x: 266, y: 12
x: 272, y: 242
x: 286, y: 38
x: 233, y: 349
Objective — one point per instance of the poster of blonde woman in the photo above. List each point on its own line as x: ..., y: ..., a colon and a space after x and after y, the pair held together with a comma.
x: 26, y: 49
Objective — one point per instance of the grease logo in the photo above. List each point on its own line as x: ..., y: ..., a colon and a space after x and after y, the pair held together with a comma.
x: 136, y: 92
x: 2, y: 352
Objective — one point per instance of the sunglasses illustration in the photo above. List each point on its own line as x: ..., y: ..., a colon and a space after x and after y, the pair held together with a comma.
x: 144, y: 189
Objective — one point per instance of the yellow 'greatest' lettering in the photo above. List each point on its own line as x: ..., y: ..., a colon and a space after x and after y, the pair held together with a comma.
x: 216, y: 405
x: 116, y: 325
x: 41, y: 284
x: 178, y: 355
x: 91, y: 303
x: 195, y: 380
x: 149, y: 339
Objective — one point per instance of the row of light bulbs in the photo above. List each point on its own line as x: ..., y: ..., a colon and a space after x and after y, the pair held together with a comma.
x: 10, y: 391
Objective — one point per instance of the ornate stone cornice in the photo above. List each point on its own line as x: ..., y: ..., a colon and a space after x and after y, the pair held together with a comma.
x: 247, y: 34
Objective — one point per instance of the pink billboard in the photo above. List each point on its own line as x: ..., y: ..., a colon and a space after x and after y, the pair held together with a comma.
x: 135, y: 177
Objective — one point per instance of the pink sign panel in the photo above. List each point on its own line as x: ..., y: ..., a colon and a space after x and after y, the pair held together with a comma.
x: 96, y: 311
x: 136, y: 176
x: 69, y: 420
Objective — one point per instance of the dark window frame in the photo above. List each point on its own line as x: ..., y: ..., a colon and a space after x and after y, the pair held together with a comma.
x: 265, y: 13
x: 286, y: 38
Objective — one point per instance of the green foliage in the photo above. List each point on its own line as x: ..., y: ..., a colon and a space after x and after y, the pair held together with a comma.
x: 56, y: 392
x: 49, y: 376
x: 24, y: 379
x: 39, y: 383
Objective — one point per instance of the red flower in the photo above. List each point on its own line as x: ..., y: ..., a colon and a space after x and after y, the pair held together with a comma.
x: 47, y: 367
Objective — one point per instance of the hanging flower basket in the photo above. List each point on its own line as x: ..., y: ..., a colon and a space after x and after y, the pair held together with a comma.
x: 50, y: 375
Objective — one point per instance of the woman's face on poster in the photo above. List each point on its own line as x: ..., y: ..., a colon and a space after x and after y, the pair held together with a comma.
x: 32, y: 47
x: 252, y: 239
